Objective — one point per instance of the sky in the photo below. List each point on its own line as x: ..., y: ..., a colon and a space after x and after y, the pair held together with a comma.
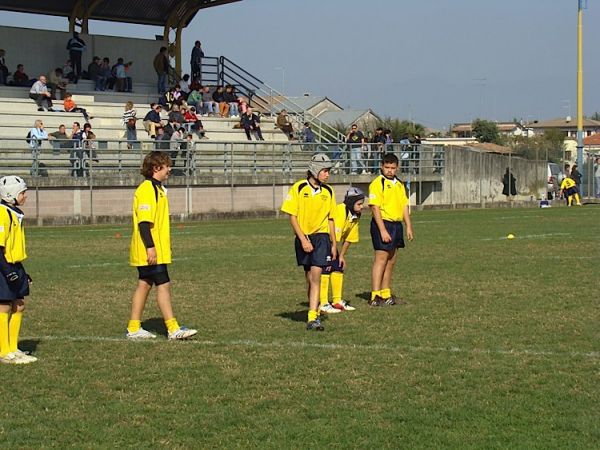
x: 436, y: 62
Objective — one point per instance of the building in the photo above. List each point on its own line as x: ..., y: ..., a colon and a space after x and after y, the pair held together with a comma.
x: 566, y: 125
x: 465, y: 130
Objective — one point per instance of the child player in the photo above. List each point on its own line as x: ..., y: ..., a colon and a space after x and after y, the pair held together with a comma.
x: 151, y: 248
x: 14, y: 281
x: 389, y: 205
x: 311, y: 206
x: 347, y: 216
x: 569, y: 190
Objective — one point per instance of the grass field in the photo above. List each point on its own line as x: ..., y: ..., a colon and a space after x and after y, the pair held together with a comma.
x: 498, y: 348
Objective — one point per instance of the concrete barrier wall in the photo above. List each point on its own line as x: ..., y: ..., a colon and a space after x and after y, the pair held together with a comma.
x: 41, y: 51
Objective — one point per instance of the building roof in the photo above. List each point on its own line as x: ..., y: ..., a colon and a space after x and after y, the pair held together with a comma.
x: 502, y: 127
x: 345, y: 116
x: 131, y: 11
x: 563, y: 123
x: 594, y: 140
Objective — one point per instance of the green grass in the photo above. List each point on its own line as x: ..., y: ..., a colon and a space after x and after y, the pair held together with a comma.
x: 498, y: 348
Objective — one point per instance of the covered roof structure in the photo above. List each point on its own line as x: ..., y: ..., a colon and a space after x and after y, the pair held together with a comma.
x: 153, y: 12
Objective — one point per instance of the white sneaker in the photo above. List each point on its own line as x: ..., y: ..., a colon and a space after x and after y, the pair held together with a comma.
x: 343, y: 305
x: 25, y: 356
x: 328, y: 309
x: 140, y: 334
x: 12, y: 358
x: 182, y: 333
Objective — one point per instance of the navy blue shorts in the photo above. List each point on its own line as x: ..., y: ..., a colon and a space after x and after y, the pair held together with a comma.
x: 321, y: 254
x: 157, y: 274
x: 571, y: 191
x: 18, y: 289
x: 395, y: 230
x: 334, y: 267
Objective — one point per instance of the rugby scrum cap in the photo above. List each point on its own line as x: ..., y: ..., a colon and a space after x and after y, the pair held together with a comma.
x: 10, y: 187
x: 319, y: 162
x: 352, y: 196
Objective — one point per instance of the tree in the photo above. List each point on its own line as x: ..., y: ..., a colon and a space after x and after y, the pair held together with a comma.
x: 486, y: 131
x: 401, y: 128
x: 550, y: 144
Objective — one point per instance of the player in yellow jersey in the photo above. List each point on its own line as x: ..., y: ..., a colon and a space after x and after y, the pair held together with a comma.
x: 14, y: 281
x: 389, y: 205
x: 311, y: 206
x: 347, y: 216
x: 568, y: 188
x: 150, y: 248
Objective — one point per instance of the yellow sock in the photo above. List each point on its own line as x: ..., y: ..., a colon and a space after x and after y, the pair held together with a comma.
x: 386, y: 293
x: 4, y: 342
x: 569, y: 200
x: 172, y: 325
x: 577, y: 199
x: 337, y: 285
x: 375, y: 294
x: 134, y: 325
x: 312, y: 315
x: 14, y: 327
x: 324, y: 289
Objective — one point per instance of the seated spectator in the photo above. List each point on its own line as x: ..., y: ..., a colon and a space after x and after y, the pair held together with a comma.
x: 104, y: 78
x: 129, y: 121
x: 175, y: 116
x: 219, y: 98
x: 3, y: 68
x: 232, y: 101
x: 243, y: 104
x: 93, y: 71
x: 70, y: 106
x: 184, y: 85
x: 209, y: 106
x: 20, y: 78
x: 178, y: 96
x: 59, y: 139
x: 193, y: 122
x: 123, y: 83
x: 251, y: 122
x: 40, y: 95
x: 68, y: 73
x: 284, y: 124
x: 57, y: 84
x: 162, y: 139
x: 195, y: 99
x: 36, y: 135
x: 152, y: 120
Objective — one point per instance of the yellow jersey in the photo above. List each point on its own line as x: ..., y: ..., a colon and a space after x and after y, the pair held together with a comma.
x: 567, y: 183
x: 346, y: 224
x: 12, y: 234
x: 389, y: 196
x: 150, y: 204
x: 313, y: 207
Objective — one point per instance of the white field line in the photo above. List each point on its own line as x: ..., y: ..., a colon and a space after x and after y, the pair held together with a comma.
x: 529, y: 236
x: 114, y: 263
x: 329, y: 346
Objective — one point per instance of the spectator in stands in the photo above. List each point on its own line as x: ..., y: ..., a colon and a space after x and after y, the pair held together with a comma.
x: 161, y: 66
x: 20, y: 78
x: 76, y: 47
x: 209, y: 106
x: 60, y: 139
x: 193, y: 122
x: 162, y: 139
x: 123, y: 83
x: 284, y: 124
x: 196, y: 62
x: 57, y: 84
x: 94, y: 70
x: 378, y: 149
x: 68, y: 73
x: 3, y: 67
x: 251, y: 122
x: 178, y: 96
x: 219, y: 97
x: 89, y: 142
x: 243, y: 104
x: 405, y: 153
x: 356, y: 140
x: 103, y: 75
x: 107, y: 73
x: 175, y: 115
x: 184, y: 85
x: 195, y: 99
x: 129, y: 121
x: 152, y: 120
x: 308, y: 137
x: 76, y: 158
x: 232, y: 101
x: 70, y: 106
x: 40, y: 95
x: 35, y: 137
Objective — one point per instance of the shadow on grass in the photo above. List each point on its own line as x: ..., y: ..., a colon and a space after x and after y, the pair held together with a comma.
x: 294, y: 316
x: 29, y: 345
x: 155, y: 325
x: 366, y: 296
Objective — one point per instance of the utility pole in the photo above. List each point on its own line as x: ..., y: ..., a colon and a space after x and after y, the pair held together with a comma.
x: 581, y: 5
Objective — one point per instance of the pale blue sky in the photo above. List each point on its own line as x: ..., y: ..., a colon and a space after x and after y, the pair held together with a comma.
x: 436, y: 62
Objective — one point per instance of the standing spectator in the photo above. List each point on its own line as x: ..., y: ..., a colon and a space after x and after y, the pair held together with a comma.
x: 3, y: 68
x: 405, y: 153
x: 70, y: 106
x: 57, y: 84
x: 20, y: 78
x: 308, y: 137
x: 36, y: 135
x: 40, y: 95
x: 161, y: 66
x: 76, y: 47
x: 123, y: 82
x: 597, y: 177
x: 509, y: 184
x: 152, y: 120
x: 251, y: 122
x: 284, y: 124
x: 89, y: 144
x: 76, y: 155
x: 416, y: 153
x: 209, y: 106
x: 378, y: 149
x: 129, y: 121
x: 104, y: 75
x: 576, y: 177
x: 196, y: 62
x: 94, y: 70
x: 356, y: 140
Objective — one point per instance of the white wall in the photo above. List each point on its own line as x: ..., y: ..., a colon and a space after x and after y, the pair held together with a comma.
x: 41, y: 51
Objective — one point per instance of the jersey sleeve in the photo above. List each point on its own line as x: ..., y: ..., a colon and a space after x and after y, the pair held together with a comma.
x: 332, y: 205
x: 145, y: 203
x: 376, y: 192
x: 290, y: 204
x: 4, y: 226
x: 353, y: 233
